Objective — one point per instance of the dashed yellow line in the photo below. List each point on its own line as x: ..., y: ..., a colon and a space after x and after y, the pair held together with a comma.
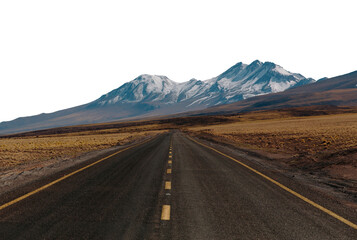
x: 168, y: 185
x: 165, y: 214
x: 329, y: 212
x: 65, y: 177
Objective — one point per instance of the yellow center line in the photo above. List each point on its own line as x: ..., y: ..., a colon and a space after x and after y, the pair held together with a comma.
x: 329, y: 212
x: 165, y: 214
x: 168, y: 185
x: 169, y: 162
x: 169, y: 171
x: 65, y: 177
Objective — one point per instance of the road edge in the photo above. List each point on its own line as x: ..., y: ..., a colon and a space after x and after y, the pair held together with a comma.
x: 282, y: 186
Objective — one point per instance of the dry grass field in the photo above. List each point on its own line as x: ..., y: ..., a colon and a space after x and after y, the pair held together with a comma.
x: 36, y: 149
x: 316, y: 142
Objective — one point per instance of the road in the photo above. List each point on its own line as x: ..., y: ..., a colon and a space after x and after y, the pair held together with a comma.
x: 170, y: 187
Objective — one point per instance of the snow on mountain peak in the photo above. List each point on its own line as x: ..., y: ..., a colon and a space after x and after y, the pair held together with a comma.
x: 154, y: 81
x: 256, y: 63
x: 238, y: 82
x: 143, y: 88
x: 281, y: 70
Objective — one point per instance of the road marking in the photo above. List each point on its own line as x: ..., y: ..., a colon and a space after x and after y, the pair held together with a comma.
x: 165, y: 214
x: 329, y: 212
x: 170, y: 162
x: 168, y: 185
x: 66, y: 176
x: 169, y: 171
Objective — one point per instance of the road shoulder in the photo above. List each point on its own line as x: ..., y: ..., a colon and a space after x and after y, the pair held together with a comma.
x: 310, y: 185
x: 26, y: 174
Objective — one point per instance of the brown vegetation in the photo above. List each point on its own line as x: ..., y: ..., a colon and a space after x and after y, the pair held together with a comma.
x: 313, y: 143
x: 39, y: 148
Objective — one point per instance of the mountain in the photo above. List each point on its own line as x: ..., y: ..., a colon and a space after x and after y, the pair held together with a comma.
x: 153, y: 95
x: 337, y: 91
x: 239, y: 82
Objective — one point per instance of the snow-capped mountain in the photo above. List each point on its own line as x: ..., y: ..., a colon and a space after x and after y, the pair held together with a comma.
x: 237, y: 83
x: 153, y: 95
x: 145, y: 88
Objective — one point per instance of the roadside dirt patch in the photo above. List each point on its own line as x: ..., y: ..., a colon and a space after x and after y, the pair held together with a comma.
x: 343, y: 171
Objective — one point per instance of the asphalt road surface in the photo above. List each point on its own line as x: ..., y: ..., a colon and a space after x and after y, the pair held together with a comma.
x: 167, y: 188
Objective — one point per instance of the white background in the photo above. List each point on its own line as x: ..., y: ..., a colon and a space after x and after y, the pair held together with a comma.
x: 59, y: 54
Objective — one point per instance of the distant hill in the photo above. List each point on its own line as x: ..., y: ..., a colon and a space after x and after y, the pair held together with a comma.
x: 337, y: 91
x: 153, y: 95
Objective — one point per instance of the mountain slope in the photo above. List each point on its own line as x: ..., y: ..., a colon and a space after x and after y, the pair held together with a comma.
x: 337, y: 91
x: 153, y: 95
